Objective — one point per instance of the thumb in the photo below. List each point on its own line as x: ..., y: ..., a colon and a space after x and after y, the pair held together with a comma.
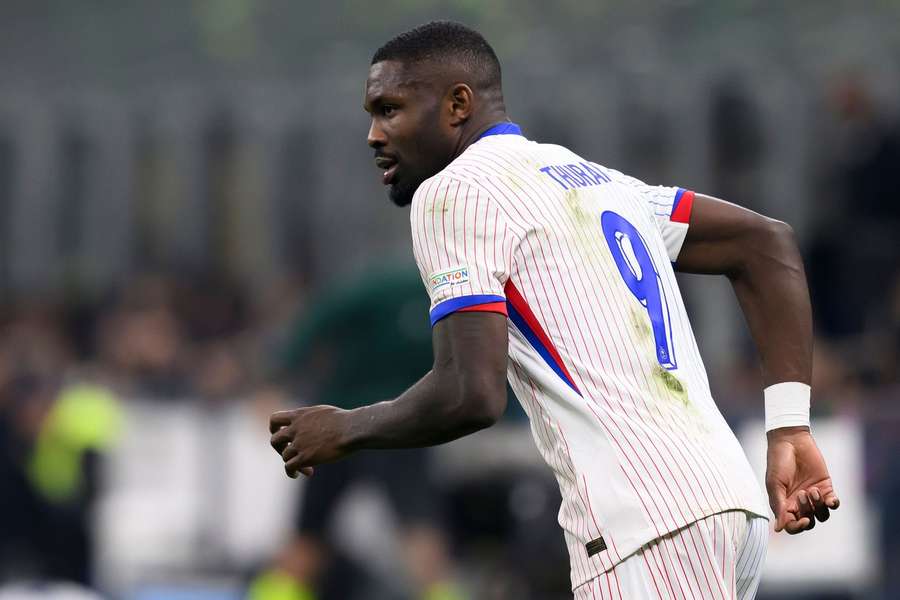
x: 779, y: 507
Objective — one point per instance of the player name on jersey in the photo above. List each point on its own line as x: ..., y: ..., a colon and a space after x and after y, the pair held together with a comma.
x: 578, y: 175
x: 602, y: 356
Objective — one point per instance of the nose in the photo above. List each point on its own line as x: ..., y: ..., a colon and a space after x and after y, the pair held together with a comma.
x: 376, y: 137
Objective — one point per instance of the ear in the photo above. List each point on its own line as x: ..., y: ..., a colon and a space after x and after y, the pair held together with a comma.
x: 461, y: 101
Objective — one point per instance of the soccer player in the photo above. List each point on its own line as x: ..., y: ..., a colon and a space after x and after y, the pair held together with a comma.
x: 558, y: 273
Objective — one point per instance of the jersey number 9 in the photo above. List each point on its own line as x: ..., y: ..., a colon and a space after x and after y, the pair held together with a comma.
x: 639, y: 272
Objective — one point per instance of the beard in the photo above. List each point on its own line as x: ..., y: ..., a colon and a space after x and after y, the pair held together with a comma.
x: 401, y: 193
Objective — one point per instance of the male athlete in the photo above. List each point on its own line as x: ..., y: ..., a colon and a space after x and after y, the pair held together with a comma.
x: 556, y: 272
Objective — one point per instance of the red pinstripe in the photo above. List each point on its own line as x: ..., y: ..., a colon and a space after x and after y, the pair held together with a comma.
x: 661, y: 567
x: 666, y: 545
x: 621, y: 403
x: 627, y: 438
x: 530, y: 235
x: 702, y: 471
x: 616, y: 441
x: 734, y: 530
x: 693, y: 533
x: 533, y: 219
x: 548, y: 437
x: 653, y: 576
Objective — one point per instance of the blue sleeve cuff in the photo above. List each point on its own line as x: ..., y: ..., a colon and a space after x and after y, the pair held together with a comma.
x: 452, y: 305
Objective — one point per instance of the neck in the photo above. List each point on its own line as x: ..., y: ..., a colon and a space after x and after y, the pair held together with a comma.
x: 474, y: 128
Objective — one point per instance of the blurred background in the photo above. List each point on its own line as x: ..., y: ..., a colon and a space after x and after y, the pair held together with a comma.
x: 193, y: 235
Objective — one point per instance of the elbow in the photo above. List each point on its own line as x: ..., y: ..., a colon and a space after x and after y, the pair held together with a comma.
x: 770, y: 243
x: 781, y: 245
x: 480, y: 408
x: 780, y: 231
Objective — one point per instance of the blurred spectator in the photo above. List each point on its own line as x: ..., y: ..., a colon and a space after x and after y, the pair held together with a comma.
x: 736, y: 143
x: 853, y: 258
x: 51, y: 439
x: 141, y: 342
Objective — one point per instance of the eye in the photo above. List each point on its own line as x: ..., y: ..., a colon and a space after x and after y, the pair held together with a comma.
x: 388, y: 109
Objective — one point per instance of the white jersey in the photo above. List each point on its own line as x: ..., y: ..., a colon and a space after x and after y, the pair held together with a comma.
x: 601, y: 353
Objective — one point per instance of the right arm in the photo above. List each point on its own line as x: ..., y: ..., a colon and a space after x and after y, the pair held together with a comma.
x: 760, y: 257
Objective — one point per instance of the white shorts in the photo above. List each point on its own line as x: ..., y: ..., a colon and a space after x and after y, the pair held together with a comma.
x: 719, y: 557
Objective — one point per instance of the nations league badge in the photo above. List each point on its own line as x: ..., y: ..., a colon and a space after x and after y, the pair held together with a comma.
x: 449, y: 278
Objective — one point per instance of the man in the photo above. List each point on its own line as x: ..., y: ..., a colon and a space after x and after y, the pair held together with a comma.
x: 555, y: 271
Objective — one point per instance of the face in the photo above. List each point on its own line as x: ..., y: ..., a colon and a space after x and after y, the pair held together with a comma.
x: 412, y: 131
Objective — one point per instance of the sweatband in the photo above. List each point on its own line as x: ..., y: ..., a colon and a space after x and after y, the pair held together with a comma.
x: 787, y: 405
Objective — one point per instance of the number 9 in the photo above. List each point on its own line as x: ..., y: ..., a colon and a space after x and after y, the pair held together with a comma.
x: 642, y: 278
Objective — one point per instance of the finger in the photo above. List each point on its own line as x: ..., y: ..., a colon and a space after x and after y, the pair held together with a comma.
x: 797, y: 526
x: 782, y: 519
x: 280, y: 419
x: 818, y: 502
x: 295, y: 466
x: 832, y: 501
x: 778, y: 507
x: 803, y: 503
x: 307, y: 471
x: 289, y: 452
x: 281, y: 439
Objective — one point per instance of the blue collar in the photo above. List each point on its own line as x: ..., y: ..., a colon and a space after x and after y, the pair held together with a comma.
x: 502, y: 129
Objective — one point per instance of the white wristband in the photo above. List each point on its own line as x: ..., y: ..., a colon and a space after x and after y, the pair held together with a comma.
x: 787, y: 405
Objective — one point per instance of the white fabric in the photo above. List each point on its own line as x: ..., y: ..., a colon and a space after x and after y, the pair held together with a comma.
x: 456, y: 226
x: 659, y: 199
x: 787, y: 405
x: 720, y: 557
x: 638, y: 449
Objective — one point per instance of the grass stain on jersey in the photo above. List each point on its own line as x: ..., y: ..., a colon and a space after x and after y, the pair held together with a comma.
x: 581, y: 216
x: 586, y: 226
x: 672, y: 383
x: 640, y: 325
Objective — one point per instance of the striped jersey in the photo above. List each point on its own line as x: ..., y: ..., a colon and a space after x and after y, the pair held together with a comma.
x: 601, y: 353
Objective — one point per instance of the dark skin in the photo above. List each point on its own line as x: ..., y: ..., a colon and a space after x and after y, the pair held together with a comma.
x: 761, y: 259
x: 424, y: 116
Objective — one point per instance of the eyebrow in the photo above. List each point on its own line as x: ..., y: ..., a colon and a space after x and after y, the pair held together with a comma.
x: 375, y: 100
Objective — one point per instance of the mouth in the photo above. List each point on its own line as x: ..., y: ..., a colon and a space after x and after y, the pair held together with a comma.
x: 389, y: 165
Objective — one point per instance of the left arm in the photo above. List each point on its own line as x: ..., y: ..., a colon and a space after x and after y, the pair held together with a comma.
x: 464, y: 392
x: 454, y: 223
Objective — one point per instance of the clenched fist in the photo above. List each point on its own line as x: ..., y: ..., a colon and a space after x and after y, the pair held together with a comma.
x: 305, y: 437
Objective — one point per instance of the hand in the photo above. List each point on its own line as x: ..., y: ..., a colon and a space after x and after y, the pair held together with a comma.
x: 305, y: 437
x: 799, y: 486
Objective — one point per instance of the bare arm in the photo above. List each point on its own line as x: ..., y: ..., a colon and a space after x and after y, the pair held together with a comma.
x: 463, y: 393
x: 760, y: 257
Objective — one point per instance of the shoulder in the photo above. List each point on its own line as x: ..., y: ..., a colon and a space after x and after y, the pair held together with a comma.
x: 452, y: 183
x: 494, y: 157
x: 440, y: 188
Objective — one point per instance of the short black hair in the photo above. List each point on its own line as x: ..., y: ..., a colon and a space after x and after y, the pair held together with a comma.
x: 446, y: 41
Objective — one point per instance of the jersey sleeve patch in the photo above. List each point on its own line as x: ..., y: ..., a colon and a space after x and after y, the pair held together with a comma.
x: 440, y: 281
x: 474, y: 303
x: 681, y: 208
